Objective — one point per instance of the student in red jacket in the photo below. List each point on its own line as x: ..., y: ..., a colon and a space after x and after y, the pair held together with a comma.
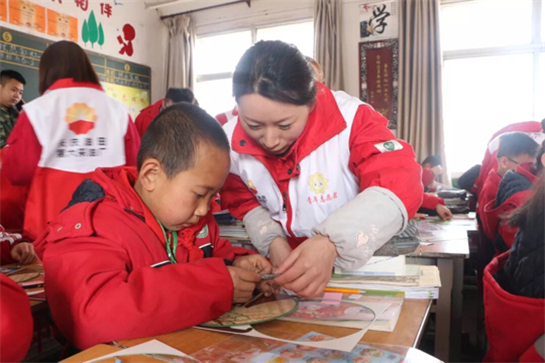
x: 516, y: 187
x: 534, y: 129
x: 16, y: 323
x: 313, y: 170
x: 64, y: 135
x: 137, y: 252
x: 515, y: 148
x: 173, y: 96
x: 438, y: 204
x: 431, y: 168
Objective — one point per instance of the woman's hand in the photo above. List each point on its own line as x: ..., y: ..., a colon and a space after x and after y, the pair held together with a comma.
x: 279, y: 250
x: 307, y: 270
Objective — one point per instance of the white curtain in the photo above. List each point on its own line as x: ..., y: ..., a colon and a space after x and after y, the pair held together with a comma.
x: 327, y: 41
x: 181, y: 51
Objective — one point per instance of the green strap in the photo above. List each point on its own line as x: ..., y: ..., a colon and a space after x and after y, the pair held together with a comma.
x: 170, y: 252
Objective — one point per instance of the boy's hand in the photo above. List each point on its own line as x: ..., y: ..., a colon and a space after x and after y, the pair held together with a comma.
x: 254, y: 263
x: 23, y: 253
x: 443, y: 212
x: 244, y: 283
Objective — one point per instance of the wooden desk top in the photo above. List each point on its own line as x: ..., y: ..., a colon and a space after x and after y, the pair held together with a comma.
x: 35, y: 305
x: 408, y: 333
x: 450, y: 240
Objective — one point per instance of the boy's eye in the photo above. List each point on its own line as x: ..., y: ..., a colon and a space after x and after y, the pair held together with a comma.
x: 254, y: 127
x: 199, y: 196
x: 284, y: 127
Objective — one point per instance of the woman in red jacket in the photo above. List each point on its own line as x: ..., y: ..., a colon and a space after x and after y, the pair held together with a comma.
x: 313, y: 170
x: 63, y: 136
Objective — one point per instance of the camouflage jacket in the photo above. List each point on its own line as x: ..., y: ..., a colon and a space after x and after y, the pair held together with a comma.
x: 7, y: 121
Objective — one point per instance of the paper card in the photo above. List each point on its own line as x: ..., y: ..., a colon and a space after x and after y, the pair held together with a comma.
x: 332, y: 298
x: 355, y: 296
x: 151, y: 347
x: 296, y: 352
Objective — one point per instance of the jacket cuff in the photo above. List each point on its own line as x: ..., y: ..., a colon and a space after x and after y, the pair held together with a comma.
x: 363, y: 225
x: 262, y: 229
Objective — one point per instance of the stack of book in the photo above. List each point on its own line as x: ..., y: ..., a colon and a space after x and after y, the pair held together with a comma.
x: 388, y: 275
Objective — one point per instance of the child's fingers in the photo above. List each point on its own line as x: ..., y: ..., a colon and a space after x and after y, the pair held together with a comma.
x: 248, y: 276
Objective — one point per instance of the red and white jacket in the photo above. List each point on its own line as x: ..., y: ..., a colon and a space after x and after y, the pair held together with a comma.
x: 59, y: 140
x: 346, y: 177
x: 226, y: 116
x: 490, y: 161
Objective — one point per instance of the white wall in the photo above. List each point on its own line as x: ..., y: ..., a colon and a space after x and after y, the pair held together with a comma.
x: 151, y: 35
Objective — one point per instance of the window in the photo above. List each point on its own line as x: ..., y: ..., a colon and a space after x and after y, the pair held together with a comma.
x: 216, y: 57
x: 494, y: 72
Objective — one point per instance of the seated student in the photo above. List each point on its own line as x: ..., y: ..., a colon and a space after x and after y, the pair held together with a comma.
x: 65, y: 134
x: 515, y: 148
x: 16, y: 323
x: 432, y: 167
x: 490, y: 161
x: 173, y: 96
x: 12, y: 202
x: 99, y: 254
x: 15, y: 249
x: 514, y: 289
x: 515, y: 189
x: 12, y: 86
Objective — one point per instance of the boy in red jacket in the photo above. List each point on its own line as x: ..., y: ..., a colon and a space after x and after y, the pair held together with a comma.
x: 137, y: 252
x: 515, y: 148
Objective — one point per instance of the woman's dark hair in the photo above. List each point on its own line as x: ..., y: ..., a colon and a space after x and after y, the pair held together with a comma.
x: 532, y: 213
x: 65, y: 59
x: 277, y: 71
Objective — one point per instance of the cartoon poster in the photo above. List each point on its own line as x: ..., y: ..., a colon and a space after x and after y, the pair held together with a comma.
x: 3, y: 10
x: 135, y: 99
x: 379, y: 21
x: 62, y: 26
x: 27, y: 14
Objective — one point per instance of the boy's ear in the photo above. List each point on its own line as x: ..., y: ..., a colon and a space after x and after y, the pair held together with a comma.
x: 502, y: 162
x: 150, y: 172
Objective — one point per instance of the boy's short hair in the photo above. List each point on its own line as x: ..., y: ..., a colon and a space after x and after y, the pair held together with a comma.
x: 176, y: 133
x: 543, y: 125
x: 8, y: 74
x: 177, y: 95
x: 433, y: 160
x: 515, y: 144
x: 538, y: 166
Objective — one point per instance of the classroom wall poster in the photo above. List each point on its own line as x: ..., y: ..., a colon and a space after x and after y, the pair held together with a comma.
x: 62, y: 26
x: 3, y: 10
x: 27, y: 14
x: 378, y: 77
x: 135, y: 99
x: 379, y: 21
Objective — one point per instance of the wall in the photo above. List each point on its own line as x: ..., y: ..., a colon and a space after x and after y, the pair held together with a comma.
x: 150, y: 43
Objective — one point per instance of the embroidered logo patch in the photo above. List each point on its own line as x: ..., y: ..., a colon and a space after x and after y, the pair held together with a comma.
x: 204, y: 232
x: 318, y: 183
x: 387, y: 146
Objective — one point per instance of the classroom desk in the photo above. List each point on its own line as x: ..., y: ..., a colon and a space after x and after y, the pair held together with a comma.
x: 35, y: 306
x: 448, y: 252
x: 407, y: 333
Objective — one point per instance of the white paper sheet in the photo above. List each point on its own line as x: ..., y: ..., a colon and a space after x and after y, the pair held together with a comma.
x: 151, y: 347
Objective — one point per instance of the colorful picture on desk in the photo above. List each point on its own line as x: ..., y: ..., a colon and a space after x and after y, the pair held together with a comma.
x: 293, y: 353
x: 325, y: 310
x: 135, y: 99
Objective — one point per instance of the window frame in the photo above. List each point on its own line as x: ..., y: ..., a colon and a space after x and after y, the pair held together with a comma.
x: 536, y: 48
x: 253, y: 31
